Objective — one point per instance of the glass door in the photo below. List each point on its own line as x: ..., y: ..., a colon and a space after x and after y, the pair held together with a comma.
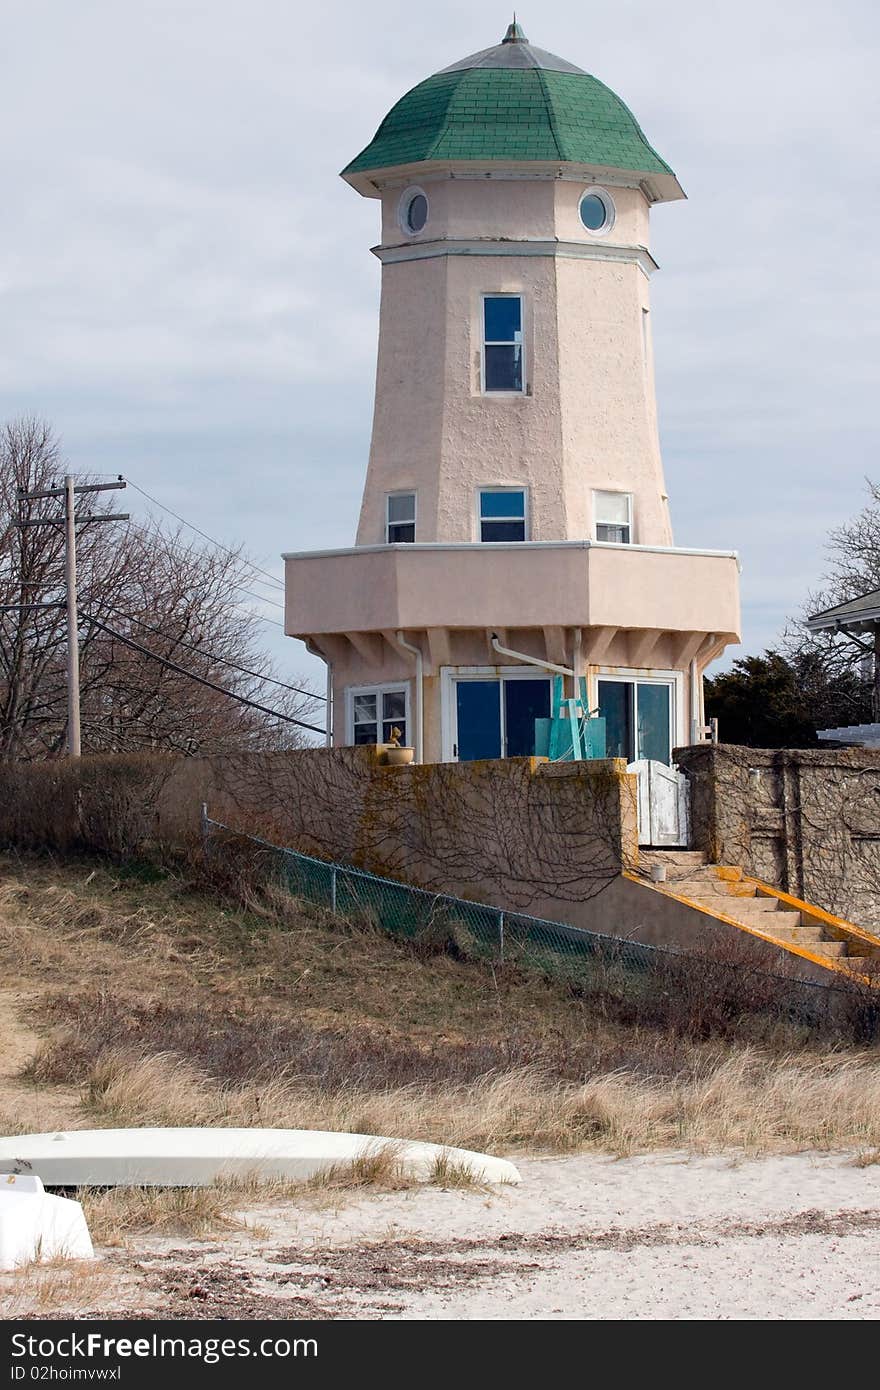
x: 638, y: 717
x: 478, y: 720
x: 524, y: 702
x: 654, y: 722
x: 495, y: 717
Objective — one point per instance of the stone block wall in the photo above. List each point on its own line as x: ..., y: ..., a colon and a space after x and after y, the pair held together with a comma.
x: 522, y: 833
x: 805, y: 820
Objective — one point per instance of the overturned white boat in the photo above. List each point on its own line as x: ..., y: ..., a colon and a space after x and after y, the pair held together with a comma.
x: 196, y: 1157
x: 36, y: 1226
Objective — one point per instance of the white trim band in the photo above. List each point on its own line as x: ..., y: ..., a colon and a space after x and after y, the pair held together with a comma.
x: 491, y: 246
x: 509, y: 545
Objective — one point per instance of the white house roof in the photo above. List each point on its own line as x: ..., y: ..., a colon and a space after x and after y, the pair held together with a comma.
x: 856, y: 612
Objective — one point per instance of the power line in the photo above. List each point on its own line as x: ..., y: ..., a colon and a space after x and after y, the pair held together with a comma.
x: 212, y: 656
x: 261, y: 598
x: 199, y: 532
x: 211, y: 685
x: 273, y: 622
x: 69, y: 520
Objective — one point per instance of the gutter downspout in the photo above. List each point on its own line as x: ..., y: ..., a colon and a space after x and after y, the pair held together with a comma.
x: 420, y: 694
x: 696, y: 722
x: 576, y: 660
x: 328, y: 720
x: 532, y: 660
x: 698, y: 697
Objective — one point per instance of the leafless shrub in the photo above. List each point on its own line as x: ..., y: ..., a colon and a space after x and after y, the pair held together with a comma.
x: 148, y: 597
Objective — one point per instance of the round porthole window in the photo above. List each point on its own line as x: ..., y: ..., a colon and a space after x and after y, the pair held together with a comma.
x: 596, y: 211
x: 413, y: 211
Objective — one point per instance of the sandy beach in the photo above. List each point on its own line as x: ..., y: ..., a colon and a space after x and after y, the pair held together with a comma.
x: 659, y: 1237
x: 664, y: 1236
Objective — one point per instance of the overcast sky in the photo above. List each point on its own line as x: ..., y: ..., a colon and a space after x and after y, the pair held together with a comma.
x: 186, y: 289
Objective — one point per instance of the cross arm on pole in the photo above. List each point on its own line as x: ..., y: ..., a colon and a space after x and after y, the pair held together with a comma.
x: 79, y: 487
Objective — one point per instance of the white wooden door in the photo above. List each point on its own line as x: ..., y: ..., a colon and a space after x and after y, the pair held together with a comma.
x: 664, y: 805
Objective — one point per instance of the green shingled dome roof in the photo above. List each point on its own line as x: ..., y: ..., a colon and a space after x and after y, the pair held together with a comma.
x: 511, y: 102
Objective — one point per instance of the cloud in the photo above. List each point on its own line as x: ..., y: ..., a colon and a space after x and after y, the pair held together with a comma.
x: 186, y: 288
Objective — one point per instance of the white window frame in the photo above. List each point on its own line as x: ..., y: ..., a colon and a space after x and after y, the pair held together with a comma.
x: 612, y: 492
x: 632, y: 675
x: 607, y: 202
x: 402, y: 492
x: 403, y: 202
x: 502, y: 294
x: 502, y: 487
x: 387, y: 688
x: 449, y: 678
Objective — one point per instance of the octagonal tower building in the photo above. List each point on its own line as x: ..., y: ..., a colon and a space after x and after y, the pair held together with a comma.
x: 515, y: 522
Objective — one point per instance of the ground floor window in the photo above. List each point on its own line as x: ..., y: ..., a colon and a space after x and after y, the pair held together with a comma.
x: 640, y: 717
x: 492, y: 716
x: 373, y: 711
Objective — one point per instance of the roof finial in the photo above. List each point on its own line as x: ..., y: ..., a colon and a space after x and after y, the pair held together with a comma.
x: 514, y: 33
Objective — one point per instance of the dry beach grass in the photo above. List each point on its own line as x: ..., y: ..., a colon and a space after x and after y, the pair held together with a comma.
x: 146, y: 1002
x: 130, y: 998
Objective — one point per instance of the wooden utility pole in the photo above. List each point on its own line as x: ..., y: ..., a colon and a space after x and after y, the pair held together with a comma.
x: 70, y: 521
x: 74, y: 738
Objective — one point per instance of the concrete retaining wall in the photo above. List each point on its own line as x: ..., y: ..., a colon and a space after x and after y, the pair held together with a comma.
x: 555, y: 840
x: 806, y: 821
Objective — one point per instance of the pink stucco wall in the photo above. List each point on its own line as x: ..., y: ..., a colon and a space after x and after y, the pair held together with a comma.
x: 587, y: 418
x: 512, y: 585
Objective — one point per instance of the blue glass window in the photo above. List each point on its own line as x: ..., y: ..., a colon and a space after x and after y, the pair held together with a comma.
x: 502, y: 514
x: 502, y: 343
x: 496, y: 718
x: 616, y: 708
x: 400, y: 517
x: 524, y: 702
x: 478, y: 711
x: 638, y: 719
x: 417, y: 213
x: 503, y: 318
x: 594, y: 212
x: 653, y: 722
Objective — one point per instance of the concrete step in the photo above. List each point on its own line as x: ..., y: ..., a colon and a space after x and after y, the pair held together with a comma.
x: 707, y: 885
x: 781, y: 924
x: 757, y: 906
x: 672, y: 858
x: 825, y: 948
x: 819, y: 948
x: 731, y: 873
x: 804, y: 936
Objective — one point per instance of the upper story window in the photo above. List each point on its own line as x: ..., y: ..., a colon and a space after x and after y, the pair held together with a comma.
x: 502, y: 342
x: 412, y: 211
x: 375, y: 711
x: 400, y: 517
x: 502, y: 514
x: 613, y: 511
x: 596, y: 209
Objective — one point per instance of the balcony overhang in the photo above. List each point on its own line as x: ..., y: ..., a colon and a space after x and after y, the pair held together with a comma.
x: 368, y: 593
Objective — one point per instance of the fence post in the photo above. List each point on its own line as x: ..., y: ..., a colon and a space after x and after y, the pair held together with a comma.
x: 501, y: 935
x: 203, y: 820
x: 333, y: 890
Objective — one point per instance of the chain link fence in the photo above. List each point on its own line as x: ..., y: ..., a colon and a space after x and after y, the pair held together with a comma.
x: 589, y: 961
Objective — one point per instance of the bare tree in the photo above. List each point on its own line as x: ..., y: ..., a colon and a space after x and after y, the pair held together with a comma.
x: 161, y: 626
x: 853, y: 569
